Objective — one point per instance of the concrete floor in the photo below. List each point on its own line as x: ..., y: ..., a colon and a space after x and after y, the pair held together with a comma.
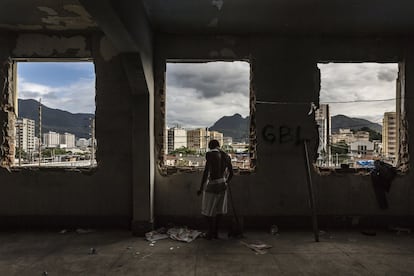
x: 119, y: 253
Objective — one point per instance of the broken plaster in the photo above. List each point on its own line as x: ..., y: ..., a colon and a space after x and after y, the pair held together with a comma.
x: 45, y: 45
x: 81, y: 20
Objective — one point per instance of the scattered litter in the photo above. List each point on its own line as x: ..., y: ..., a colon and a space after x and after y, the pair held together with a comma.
x: 321, y: 232
x: 183, y: 234
x: 137, y: 253
x: 178, y: 247
x: 171, y: 248
x: 129, y: 247
x: 401, y: 229
x: 63, y: 231
x: 274, y: 229
x: 258, y: 247
x: 175, y: 233
x: 45, y: 273
x: 92, y: 251
x: 156, y: 235
x: 151, y: 244
x: 84, y: 231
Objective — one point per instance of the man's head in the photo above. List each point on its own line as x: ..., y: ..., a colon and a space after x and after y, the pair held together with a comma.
x: 213, y: 144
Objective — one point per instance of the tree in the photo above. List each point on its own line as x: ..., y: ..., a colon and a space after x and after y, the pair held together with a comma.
x: 373, y: 135
x: 339, y: 148
x: 23, y: 153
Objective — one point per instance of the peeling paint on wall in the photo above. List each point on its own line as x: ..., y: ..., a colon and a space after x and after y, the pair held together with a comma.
x: 39, y: 45
x: 80, y: 20
x: 107, y: 49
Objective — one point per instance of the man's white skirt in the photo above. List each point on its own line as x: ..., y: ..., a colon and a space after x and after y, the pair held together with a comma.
x: 213, y: 204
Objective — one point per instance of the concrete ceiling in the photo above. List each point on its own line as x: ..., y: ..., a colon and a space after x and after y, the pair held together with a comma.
x: 44, y: 15
x: 288, y: 17
x: 350, y: 17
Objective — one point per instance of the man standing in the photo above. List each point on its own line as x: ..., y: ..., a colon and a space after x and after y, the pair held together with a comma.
x: 216, y: 176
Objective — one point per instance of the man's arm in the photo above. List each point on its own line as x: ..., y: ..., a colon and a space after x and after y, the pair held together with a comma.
x: 205, y: 176
x: 229, y: 167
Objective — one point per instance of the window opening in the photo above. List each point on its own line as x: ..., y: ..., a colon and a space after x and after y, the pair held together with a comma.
x: 357, y: 118
x: 205, y: 101
x: 55, y: 115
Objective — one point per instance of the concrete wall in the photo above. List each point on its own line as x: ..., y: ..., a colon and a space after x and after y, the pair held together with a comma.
x: 98, y: 197
x: 285, y: 70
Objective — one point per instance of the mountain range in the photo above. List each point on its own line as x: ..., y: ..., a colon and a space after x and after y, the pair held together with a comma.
x: 55, y: 119
x: 238, y: 127
x: 234, y: 126
x: 342, y: 121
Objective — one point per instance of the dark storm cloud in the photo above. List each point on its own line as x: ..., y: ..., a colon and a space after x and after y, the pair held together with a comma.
x: 211, y: 79
x: 387, y: 75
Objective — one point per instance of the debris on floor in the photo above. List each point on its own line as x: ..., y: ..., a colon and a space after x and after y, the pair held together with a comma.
x: 84, y: 231
x: 64, y: 231
x: 156, y: 235
x: 257, y: 246
x: 92, y: 251
x: 183, y: 234
x: 176, y: 233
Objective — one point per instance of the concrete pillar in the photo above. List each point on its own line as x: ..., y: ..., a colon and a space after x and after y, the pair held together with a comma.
x: 142, y: 144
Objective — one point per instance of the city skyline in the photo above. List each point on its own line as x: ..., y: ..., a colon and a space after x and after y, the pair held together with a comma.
x: 358, y: 87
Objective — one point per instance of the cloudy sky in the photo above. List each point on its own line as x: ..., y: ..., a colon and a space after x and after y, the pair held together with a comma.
x: 346, y: 82
x: 198, y: 94
x: 68, y: 86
